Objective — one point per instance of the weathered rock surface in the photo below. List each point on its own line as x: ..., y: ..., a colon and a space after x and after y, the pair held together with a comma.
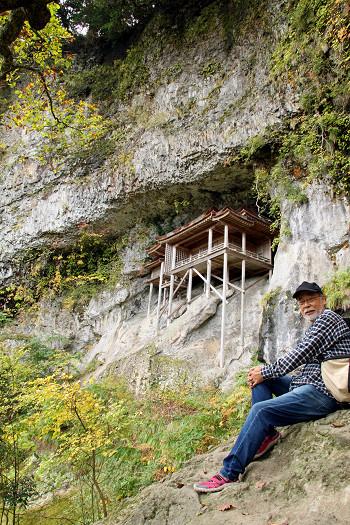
x: 304, y: 480
x: 116, y: 336
x: 180, y: 143
x: 318, y: 244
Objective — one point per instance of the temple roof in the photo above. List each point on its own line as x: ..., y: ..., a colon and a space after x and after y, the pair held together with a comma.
x: 239, y: 221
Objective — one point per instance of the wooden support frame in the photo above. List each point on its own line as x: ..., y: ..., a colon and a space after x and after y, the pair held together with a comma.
x: 189, y: 286
x: 150, y: 299
x: 223, y: 313
x: 180, y: 283
x: 202, y: 248
x: 210, y: 245
x: 243, y: 272
x: 171, y: 288
x: 160, y: 293
x: 234, y: 286
x: 205, y: 281
x: 170, y: 301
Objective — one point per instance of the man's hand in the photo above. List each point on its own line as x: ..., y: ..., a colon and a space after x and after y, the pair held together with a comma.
x: 254, y: 376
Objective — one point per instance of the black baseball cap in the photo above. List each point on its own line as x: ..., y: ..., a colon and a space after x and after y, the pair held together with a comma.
x: 307, y: 287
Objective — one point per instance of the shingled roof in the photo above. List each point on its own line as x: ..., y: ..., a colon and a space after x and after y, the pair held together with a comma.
x: 238, y: 220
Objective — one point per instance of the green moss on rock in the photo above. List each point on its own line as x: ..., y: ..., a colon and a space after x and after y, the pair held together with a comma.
x: 337, y: 290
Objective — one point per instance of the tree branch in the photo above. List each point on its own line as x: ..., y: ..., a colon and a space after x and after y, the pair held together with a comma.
x: 75, y: 410
x: 36, y: 12
x: 8, y: 34
x: 46, y: 90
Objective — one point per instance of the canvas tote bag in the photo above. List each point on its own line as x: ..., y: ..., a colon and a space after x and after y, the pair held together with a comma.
x: 336, y: 377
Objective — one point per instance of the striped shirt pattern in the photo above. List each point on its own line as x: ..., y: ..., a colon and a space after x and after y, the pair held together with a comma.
x: 327, y: 338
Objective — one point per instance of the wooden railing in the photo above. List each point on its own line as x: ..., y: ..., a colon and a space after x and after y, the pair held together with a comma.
x: 237, y: 248
x: 204, y: 252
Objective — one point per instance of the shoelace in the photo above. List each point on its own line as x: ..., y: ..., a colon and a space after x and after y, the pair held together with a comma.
x: 218, y: 477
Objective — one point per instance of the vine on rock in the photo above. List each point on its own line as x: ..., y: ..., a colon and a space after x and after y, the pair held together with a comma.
x: 314, y: 60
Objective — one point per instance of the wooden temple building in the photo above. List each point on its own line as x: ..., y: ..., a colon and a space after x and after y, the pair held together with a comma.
x: 220, y: 248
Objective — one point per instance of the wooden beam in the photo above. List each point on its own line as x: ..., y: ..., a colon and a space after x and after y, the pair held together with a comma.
x: 223, y: 314
x: 160, y: 293
x: 189, y: 285
x: 173, y: 257
x: 242, y: 301
x: 180, y: 283
x: 205, y: 281
x: 171, y: 293
x: 226, y: 236
x: 210, y: 245
x: 234, y: 286
x: 244, y: 242
x: 150, y: 299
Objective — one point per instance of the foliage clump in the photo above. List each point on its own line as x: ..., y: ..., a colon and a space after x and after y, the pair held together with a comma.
x: 313, y: 59
x: 118, y: 80
x: 75, y: 275
x: 337, y: 290
x: 66, y: 433
x: 18, y: 368
x: 40, y: 100
x: 269, y: 300
x: 117, y: 20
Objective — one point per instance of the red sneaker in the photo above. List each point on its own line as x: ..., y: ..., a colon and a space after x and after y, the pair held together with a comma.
x: 267, y: 444
x: 214, y: 484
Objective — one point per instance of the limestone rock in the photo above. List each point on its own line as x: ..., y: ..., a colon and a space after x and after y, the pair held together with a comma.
x: 183, y: 147
x: 318, y: 245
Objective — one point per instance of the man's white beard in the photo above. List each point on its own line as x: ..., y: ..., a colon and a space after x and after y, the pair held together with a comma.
x: 312, y: 317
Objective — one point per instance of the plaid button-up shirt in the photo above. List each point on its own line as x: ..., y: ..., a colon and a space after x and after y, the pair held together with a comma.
x: 327, y: 338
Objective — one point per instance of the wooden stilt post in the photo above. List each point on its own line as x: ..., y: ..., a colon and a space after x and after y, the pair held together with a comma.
x: 226, y: 242
x: 170, y: 302
x: 243, y: 287
x: 160, y: 293
x: 226, y: 236
x: 270, y: 257
x: 150, y: 299
x: 189, y: 285
x: 223, y: 315
x: 171, y: 289
x: 210, y: 245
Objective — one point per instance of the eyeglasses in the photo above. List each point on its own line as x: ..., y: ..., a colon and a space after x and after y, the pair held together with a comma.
x: 306, y: 300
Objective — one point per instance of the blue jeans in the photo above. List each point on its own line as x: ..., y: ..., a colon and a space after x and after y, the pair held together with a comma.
x: 304, y: 403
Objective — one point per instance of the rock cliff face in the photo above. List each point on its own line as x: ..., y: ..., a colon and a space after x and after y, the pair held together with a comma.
x: 180, y: 141
x: 181, y: 137
x: 177, y: 145
x: 317, y: 245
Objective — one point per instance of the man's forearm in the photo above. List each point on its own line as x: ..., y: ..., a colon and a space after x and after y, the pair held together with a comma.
x: 270, y: 372
x: 282, y: 366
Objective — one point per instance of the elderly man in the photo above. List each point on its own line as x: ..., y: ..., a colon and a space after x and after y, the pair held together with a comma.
x: 302, y: 397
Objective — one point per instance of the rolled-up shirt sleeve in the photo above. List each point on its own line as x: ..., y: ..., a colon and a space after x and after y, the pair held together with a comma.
x: 318, y: 339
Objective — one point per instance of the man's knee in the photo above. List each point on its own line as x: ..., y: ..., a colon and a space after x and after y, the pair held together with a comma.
x: 256, y: 408
x: 261, y: 389
x: 262, y: 408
